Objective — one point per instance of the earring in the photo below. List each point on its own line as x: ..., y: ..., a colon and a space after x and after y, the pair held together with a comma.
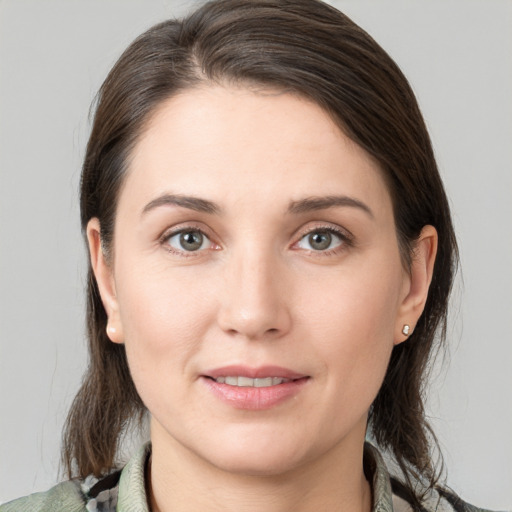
x: 111, y: 329
x: 405, y: 330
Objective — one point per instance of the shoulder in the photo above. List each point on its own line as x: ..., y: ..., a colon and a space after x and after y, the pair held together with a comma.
x: 435, y: 500
x: 92, y: 494
x: 390, y: 494
x: 455, y: 502
x: 89, y: 495
x: 66, y: 496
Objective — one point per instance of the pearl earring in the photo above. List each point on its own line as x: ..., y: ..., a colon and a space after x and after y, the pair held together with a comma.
x: 405, y: 330
x: 111, y: 329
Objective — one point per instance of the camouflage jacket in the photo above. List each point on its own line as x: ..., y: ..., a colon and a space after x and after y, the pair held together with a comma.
x: 125, y: 491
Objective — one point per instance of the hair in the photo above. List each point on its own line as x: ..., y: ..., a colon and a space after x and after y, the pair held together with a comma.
x: 304, y: 47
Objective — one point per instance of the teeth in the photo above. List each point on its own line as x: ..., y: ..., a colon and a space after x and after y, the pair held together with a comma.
x: 247, y: 382
x: 264, y: 383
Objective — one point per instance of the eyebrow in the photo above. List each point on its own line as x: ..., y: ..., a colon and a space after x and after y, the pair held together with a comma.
x: 314, y: 203
x: 305, y: 205
x: 190, y: 202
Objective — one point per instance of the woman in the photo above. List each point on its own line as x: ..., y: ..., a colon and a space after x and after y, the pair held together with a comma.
x: 271, y: 254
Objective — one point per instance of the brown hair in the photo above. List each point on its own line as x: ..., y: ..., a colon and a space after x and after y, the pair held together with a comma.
x: 311, y: 49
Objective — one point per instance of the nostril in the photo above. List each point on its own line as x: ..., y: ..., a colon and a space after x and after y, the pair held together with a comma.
x: 256, y: 320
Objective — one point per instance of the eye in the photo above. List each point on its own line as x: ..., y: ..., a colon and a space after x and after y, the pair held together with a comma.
x: 190, y: 240
x: 321, y: 240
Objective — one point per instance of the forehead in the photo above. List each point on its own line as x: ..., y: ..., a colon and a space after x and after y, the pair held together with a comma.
x: 234, y: 144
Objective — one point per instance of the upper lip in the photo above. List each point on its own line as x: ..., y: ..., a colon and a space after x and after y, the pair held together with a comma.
x: 254, y: 373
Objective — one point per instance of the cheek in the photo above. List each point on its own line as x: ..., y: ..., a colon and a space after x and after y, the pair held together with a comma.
x: 157, y: 298
x: 358, y: 302
x: 164, y: 318
x: 354, y: 323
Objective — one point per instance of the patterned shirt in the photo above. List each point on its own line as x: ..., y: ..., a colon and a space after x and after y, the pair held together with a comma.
x: 125, y: 491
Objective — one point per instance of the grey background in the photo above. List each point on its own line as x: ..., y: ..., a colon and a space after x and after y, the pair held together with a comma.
x: 53, y: 57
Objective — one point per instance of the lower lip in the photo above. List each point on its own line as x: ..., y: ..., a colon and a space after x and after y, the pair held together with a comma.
x: 255, y: 399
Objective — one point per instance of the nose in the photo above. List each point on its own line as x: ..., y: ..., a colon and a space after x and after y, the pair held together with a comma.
x: 255, y: 303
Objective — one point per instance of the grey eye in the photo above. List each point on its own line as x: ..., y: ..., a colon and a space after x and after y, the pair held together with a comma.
x: 320, y: 240
x: 189, y: 241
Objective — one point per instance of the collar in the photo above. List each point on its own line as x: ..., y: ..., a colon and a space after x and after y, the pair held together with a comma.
x: 132, y: 496
x: 377, y: 472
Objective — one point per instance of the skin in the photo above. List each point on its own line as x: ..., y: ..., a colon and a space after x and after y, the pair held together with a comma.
x: 256, y: 293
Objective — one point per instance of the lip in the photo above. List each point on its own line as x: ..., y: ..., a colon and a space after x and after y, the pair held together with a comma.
x: 254, y: 373
x: 254, y: 398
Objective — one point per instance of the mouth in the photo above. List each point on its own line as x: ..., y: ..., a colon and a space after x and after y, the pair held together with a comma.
x: 254, y: 388
x: 247, y: 382
x: 246, y: 376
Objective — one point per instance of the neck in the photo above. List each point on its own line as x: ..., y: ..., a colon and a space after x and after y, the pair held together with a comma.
x: 181, y: 481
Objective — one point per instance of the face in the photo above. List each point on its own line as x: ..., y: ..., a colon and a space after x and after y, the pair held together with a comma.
x: 255, y: 280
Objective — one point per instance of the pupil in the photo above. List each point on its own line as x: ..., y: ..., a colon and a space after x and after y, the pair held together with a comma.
x: 320, y: 240
x: 191, y: 240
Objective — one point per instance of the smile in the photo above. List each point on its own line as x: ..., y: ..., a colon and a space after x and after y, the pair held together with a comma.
x: 248, y: 382
x: 255, y: 389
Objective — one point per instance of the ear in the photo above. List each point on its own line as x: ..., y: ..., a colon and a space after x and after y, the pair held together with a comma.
x: 417, y: 284
x: 103, y: 272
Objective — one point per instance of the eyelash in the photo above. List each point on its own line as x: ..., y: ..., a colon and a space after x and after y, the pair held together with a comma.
x: 345, y: 238
x: 164, y: 240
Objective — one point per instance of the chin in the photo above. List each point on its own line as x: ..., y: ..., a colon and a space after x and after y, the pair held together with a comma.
x: 265, y: 457
x: 261, y: 465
